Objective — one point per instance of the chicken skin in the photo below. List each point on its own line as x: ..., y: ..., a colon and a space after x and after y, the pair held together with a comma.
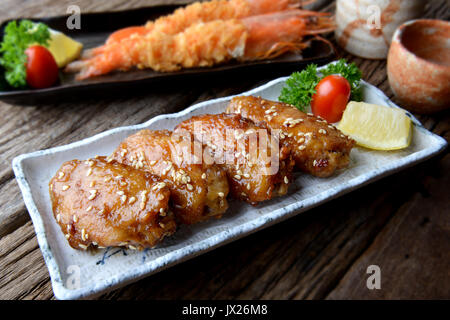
x: 258, y: 167
x: 318, y: 147
x: 101, y: 203
x: 198, y: 189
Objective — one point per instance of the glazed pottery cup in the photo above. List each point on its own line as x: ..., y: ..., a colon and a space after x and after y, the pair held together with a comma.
x: 419, y: 65
x: 365, y: 27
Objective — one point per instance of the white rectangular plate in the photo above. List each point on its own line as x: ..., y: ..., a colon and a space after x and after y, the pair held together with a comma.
x: 79, y: 274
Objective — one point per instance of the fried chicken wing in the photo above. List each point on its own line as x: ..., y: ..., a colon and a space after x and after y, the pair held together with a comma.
x: 257, y: 167
x: 109, y: 204
x: 198, y: 189
x: 318, y: 147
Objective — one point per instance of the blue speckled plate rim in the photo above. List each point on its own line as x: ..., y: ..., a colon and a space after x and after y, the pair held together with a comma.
x: 237, y: 232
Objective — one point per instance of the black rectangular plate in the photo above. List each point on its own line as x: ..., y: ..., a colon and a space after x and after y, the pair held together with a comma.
x: 96, y: 27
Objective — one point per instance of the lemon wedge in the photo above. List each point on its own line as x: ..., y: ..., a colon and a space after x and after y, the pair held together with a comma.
x: 376, y: 127
x: 63, y: 48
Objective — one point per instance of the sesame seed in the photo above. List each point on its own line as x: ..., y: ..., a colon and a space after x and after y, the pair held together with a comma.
x: 132, y: 247
x: 61, y: 174
x: 58, y: 217
x: 301, y: 140
x: 88, y: 173
x: 237, y: 177
x: 101, y: 212
x: 314, y: 163
x: 92, y: 184
x: 204, y: 176
x: 89, y: 208
x: 160, y: 197
x: 142, y: 205
x: 64, y: 188
x: 82, y: 246
x: 108, y: 179
x: 159, y: 185
x: 322, y: 131
x: 75, y: 218
x: 221, y: 194
x: 248, y: 186
x: 302, y: 147
x: 162, y: 225
x: 120, y: 193
x: 93, y: 194
x: 286, y: 180
x: 246, y: 175
x: 123, y: 198
x: 131, y: 200
x: 67, y: 236
x: 190, y: 187
x: 152, y: 162
x: 161, y: 210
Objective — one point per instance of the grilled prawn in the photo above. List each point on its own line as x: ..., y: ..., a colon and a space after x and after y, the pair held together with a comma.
x: 206, y: 44
x: 195, y: 13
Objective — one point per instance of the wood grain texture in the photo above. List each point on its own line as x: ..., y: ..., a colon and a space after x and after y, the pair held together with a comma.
x: 400, y: 223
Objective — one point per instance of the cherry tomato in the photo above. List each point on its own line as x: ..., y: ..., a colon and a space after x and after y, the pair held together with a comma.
x: 331, y: 98
x: 42, y: 70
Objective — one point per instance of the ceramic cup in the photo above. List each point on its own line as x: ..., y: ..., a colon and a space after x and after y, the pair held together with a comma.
x: 419, y: 65
x: 365, y: 27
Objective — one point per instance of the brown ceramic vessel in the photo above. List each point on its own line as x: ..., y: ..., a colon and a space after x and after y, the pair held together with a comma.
x: 419, y: 65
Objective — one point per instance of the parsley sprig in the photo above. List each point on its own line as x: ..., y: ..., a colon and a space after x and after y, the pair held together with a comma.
x: 300, y: 86
x: 17, y: 38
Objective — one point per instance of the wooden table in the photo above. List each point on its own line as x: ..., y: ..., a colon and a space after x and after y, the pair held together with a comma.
x: 401, y: 223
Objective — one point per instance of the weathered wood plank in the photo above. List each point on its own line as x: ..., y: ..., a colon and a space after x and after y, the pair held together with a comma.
x: 412, y: 251
x: 305, y: 257
x: 24, y: 274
